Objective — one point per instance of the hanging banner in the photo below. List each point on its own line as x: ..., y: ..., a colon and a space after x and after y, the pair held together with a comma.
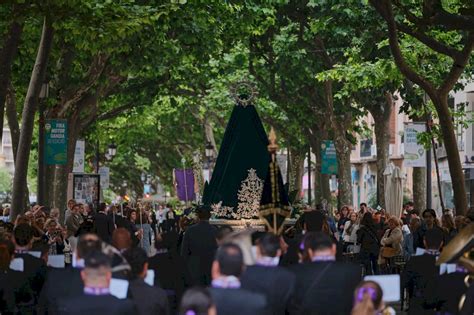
x: 328, y: 158
x: 184, y: 183
x: 79, y: 157
x: 414, y: 155
x: 55, y: 141
x: 104, y: 173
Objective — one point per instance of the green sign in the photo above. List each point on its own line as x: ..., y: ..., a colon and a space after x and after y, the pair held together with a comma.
x: 328, y: 158
x: 55, y: 141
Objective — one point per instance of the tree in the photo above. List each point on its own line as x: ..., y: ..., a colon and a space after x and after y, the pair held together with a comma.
x: 448, y: 33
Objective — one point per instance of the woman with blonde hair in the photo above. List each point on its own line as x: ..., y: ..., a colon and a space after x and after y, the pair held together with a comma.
x: 391, y: 242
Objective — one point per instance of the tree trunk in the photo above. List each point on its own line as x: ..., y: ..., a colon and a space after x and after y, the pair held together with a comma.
x: 343, y: 151
x: 381, y: 114
x: 28, y: 118
x: 451, y: 145
x: 419, y: 188
x: 296, y: 173
x: 7, y: 56
x: 12, y: 119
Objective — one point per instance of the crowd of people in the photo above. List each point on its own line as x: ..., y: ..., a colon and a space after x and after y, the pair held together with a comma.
x: 169, y: 264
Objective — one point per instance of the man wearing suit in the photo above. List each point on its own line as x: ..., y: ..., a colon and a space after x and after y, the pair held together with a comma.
x: 267, y: 278
x: 226, y: 293
x: 199, y: 247
x: 421, y: 273
x: 96, y: 298
x: 34, y: 269
x: 67, y: 282
x: 103, y: 224
x: 323, y: 286
x: 147, y: 299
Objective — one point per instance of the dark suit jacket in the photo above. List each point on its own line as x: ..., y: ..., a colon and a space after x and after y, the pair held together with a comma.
x: 419, y: 276
x: 12, y: 292
x: 104, y: 226
x: 198, y: 249
x: 325, y: 287
x: 238, y: 302
x: 34, y: 272
x: 148, y: 299
x: 60, y: 283
x: 170, y: 273
x: 276, y: 283
x: 95, y: 305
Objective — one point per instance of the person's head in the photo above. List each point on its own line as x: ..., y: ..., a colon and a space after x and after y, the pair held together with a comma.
x: 132, y: 215
x: 23, y: 236
x: 372, y: 290
x: 203, y: 212
x: 433, y: 239
x: 7, y: 250
x: 87, y: 244
x: 314, y: 220
x: 268, y: 245
x: 353, y: 217
x: 6, y: 212
x: 169, y: 215
x: 367, y: 220
x: 393, y: 223
x: 377, y: 216
x: 429, y: 215
x: 459, y: 222
x: 102, y: 207
x: 121, y: 239
x: 319, y: 244
x: 344, y: 211
x: 97, y: 272
x: 363, y: 207
x: 197, y: 301
x: 54, y: 213
x: 71, y: 203
x: 414, y: 224
x: 229, y: 261
x: 409, y: 205
x: 51, y: 226
x: 76, y: 208
x: 138, y: 261
x: 447, y: 222
x: 222, y: 233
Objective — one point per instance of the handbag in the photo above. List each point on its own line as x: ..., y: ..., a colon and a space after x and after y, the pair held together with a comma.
x: 388, y: 252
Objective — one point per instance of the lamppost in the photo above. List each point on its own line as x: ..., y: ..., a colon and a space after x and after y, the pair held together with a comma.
x: 109, y: 155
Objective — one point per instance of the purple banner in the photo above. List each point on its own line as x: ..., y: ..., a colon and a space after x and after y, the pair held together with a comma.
x: 184, y: 181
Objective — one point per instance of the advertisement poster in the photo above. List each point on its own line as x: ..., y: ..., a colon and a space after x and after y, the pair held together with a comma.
x: 104, y: 173
x: 86, y: 188
x: 55, y: 142
x: 414, y: 155
x: 328, y: 158
x: 79, y: 157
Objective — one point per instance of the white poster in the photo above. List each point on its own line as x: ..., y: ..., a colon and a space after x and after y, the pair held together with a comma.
x: 104, y: 173
x: 415, y: 154
x: 79, y: 157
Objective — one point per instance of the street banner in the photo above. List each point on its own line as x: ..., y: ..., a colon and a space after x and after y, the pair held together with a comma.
x: 184, y: 183
x: 104, y: 173
x: 79, y: 157
x: 328, y: 158
x: 414, y: 154
x: 55, y: 141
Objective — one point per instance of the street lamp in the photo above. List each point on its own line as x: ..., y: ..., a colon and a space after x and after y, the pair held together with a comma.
x: 209, y: 150
x: 112, y: 150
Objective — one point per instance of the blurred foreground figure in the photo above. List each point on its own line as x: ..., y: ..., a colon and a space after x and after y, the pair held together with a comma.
x: 96, y: 297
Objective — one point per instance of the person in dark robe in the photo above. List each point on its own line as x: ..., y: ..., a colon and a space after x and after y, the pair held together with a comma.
x: 323, y: 286
x: 95, y: 298
x: 267, y: 278
x: 147, y: 299
x: 169, y: 267
x: 226, y: 291
x: 34, y: 269
x: 421, y: 274
x: 199, y: 247
x: 67, y: 282
x: 103, y: 224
